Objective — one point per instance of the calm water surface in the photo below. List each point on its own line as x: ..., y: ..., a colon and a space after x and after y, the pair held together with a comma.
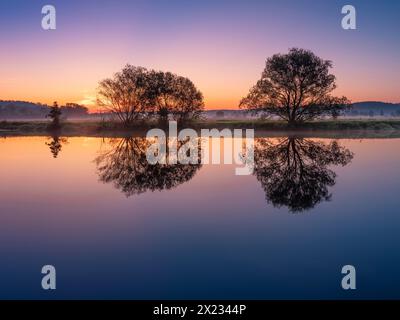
x: 116, y: 227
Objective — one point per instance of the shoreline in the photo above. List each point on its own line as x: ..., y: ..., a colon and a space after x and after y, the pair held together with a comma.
x: 274, y: 128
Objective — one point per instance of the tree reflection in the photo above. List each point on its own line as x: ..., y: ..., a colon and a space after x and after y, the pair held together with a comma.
x: 125, y: 165
x: 55, y: 145
x: 294, y: 172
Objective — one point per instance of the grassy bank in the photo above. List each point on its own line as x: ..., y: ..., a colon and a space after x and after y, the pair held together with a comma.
x: 312, y: 125
x: 93, y: 128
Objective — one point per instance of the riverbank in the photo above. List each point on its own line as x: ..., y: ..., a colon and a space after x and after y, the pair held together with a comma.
x: 344, y: 128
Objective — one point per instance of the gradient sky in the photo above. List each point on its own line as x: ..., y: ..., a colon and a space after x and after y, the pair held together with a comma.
x: 220, y: 45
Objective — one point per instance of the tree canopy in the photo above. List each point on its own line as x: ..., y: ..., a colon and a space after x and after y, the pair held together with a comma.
x: 126, y: 95
x: 135, y: 92
x: 124, y: 163
x: 296, y: 172
x: 295, y: 87
x: 175, y: 95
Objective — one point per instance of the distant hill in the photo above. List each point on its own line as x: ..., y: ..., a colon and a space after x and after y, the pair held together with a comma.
x: 372, y: 108
x: 226, y: 114
x: 10, y: 110
x: 22, y: 109
x: 29, y: 110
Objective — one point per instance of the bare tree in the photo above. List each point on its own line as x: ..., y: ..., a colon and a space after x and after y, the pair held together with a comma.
x: 136, y: 91
x: 123, y: 162
x: 126, y: 95
x: 297, y: 172
x: 295, y: 87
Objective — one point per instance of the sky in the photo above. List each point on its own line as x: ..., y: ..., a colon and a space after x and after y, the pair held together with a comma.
x: 220, y: 45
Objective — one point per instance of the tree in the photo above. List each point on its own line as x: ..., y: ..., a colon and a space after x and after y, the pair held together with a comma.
x: 124, y: 163
x: 174, y: 95
x: 296, y: 172
x: 56, y: 145
x: 188, y: 100
x: 54, y: 114
x: 295, y: 87
x: 136, y: 91
x: 74, y: 109
x: 126, y: 95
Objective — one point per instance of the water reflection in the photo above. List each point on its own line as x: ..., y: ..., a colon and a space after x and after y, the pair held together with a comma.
x: 294, y: 172
x: 125, y: 165
x: 55, y: 145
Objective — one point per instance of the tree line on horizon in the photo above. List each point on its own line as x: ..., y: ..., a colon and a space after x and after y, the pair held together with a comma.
x: 26, y: 109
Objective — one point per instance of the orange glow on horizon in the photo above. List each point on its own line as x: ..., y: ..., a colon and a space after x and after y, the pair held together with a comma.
x: 218, y: 103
